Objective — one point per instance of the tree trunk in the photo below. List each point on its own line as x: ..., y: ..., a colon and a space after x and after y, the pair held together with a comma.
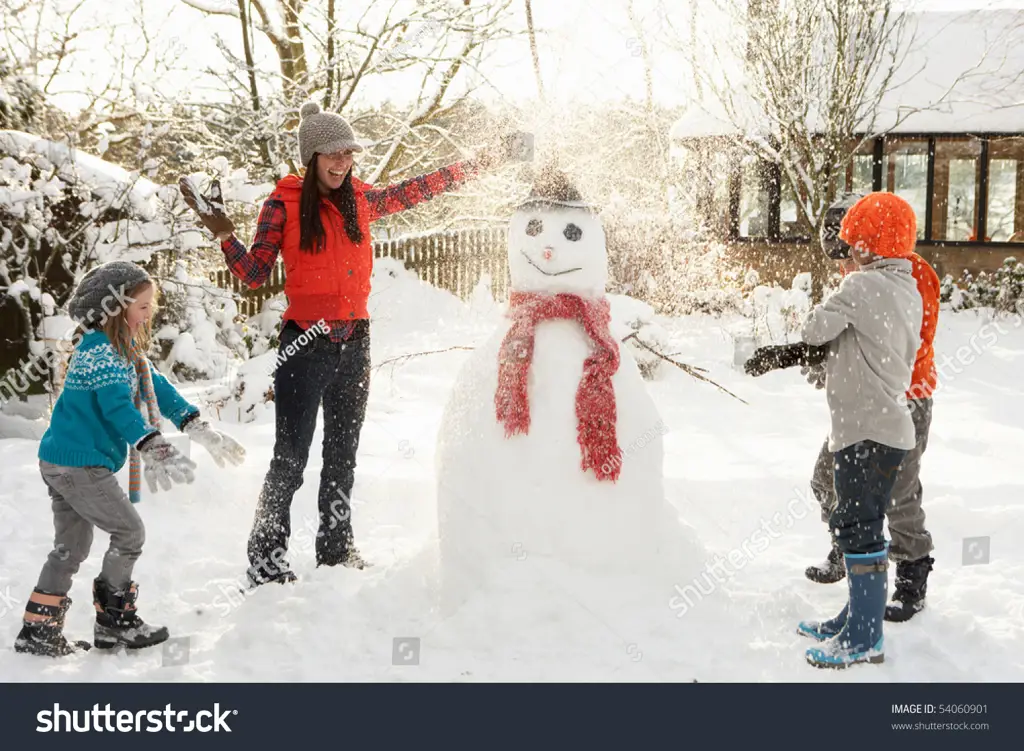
x: 253, y: 90
x: 330, y: 54
x: 292, y: 51
x: 533, y: 49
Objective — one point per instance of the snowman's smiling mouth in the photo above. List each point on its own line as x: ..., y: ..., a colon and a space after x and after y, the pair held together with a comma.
x: 547, y: 273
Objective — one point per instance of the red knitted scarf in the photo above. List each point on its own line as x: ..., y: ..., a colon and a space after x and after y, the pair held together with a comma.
x: 595, y: 397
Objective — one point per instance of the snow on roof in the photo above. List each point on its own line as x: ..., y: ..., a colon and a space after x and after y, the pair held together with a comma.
x: 964, y: 72
x: 961, y: 72
x: 109, y: 183
x: 701, y: 120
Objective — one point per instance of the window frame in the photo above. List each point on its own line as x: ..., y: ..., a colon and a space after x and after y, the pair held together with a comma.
x: 774, y: 187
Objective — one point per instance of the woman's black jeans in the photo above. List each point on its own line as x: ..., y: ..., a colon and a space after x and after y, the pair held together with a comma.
x: 319, y: 371
x: 864, y: 476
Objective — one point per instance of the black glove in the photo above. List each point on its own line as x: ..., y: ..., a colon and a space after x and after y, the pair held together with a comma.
x: 779, y: 356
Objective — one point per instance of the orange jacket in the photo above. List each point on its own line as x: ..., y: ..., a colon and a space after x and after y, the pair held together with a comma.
x: 924, y: 379
x: 333, y: 284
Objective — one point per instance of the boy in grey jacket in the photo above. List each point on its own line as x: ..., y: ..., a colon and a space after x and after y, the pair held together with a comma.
x: 872, y: 327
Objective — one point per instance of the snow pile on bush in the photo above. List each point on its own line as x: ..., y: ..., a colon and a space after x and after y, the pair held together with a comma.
x: 1002, y: 290
x: 262, y: 331
x: 196, y: 336
x: 247, y: 392
x: 776, y: 313
x: 632, y: 316
x: 771, y: 315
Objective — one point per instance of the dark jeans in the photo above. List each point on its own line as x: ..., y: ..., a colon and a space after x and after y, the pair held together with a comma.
x: 864, y: 475
x: 317, y: 372
x: 911, y: 541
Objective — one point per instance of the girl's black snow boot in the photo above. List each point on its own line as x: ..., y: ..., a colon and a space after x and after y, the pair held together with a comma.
x: 911, y: 587
x: 830, y: 571
x: 118, y: 623
x: 42, y: 631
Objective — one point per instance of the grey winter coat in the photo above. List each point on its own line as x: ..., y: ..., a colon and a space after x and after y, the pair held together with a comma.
x: 872, y: 325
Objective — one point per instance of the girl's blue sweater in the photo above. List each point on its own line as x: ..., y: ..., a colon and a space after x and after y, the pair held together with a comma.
x: 95, y: 418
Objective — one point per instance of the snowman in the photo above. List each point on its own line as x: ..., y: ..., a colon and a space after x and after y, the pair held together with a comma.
x: 550, y: 448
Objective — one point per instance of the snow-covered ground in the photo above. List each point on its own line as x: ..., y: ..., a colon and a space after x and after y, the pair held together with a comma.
x: 738, y: 473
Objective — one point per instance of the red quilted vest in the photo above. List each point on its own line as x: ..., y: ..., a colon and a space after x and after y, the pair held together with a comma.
x: 333, y: 284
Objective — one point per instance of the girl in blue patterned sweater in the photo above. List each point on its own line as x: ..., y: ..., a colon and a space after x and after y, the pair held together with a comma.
x: 110, y: 408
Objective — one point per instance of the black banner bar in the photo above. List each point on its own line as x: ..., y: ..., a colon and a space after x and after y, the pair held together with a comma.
x: 483, y: 716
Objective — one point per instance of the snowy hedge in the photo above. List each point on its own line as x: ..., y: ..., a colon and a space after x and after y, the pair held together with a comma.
x: 61, y: 213
x: 1002, y: 290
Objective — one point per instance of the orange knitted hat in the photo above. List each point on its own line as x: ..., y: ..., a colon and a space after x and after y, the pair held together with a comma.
x: 882, y: 223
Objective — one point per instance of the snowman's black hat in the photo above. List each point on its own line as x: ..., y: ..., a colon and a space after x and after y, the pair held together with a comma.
x: 552, y: 187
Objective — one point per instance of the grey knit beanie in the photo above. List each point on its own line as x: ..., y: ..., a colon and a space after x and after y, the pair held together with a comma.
x: 323, y: 132
x: 104, y: 290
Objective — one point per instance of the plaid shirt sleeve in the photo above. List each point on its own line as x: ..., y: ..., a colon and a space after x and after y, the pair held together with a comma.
x: 254, y: 266
x: 406, y: 194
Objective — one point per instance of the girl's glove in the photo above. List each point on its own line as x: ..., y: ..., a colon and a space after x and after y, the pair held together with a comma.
x: 220, y: 445
x: 164, y: 464
x: 210, y: 208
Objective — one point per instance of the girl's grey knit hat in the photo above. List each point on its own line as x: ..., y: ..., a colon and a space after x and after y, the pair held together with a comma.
x: 103, y: 292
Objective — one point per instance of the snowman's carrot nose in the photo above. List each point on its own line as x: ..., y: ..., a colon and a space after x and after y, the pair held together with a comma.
x: 548, y: 253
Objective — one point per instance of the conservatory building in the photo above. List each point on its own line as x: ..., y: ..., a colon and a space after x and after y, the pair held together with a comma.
x: 949, y: 138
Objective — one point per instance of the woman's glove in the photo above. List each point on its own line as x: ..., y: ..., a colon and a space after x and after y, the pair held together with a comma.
x: 210, y: 208
x: 220, y: 445
x: 162, y: 464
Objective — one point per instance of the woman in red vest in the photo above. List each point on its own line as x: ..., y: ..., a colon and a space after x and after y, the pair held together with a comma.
x: 320, y: 225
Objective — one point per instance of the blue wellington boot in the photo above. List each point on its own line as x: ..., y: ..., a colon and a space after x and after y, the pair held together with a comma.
x: 860, y: 638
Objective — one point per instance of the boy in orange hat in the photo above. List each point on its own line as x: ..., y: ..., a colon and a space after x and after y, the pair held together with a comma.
x: 872, y: 328
x: 911, y: 542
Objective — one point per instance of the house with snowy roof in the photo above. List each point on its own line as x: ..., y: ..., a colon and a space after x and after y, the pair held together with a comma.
x: 947, y: 135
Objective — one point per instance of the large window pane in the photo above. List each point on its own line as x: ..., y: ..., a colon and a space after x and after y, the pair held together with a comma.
x: 1005, y: 222
x: 702, y: 172
x: 753, y: 198
x: 905, y: 173
x: 860, y: 173
x: 790, y: 226
x: 957, y: 186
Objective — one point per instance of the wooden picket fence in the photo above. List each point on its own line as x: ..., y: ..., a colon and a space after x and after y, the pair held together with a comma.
x: 454, y: 260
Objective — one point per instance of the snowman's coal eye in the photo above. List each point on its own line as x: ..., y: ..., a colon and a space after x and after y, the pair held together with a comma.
x: 534, y: 227
x: 572, y: 232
